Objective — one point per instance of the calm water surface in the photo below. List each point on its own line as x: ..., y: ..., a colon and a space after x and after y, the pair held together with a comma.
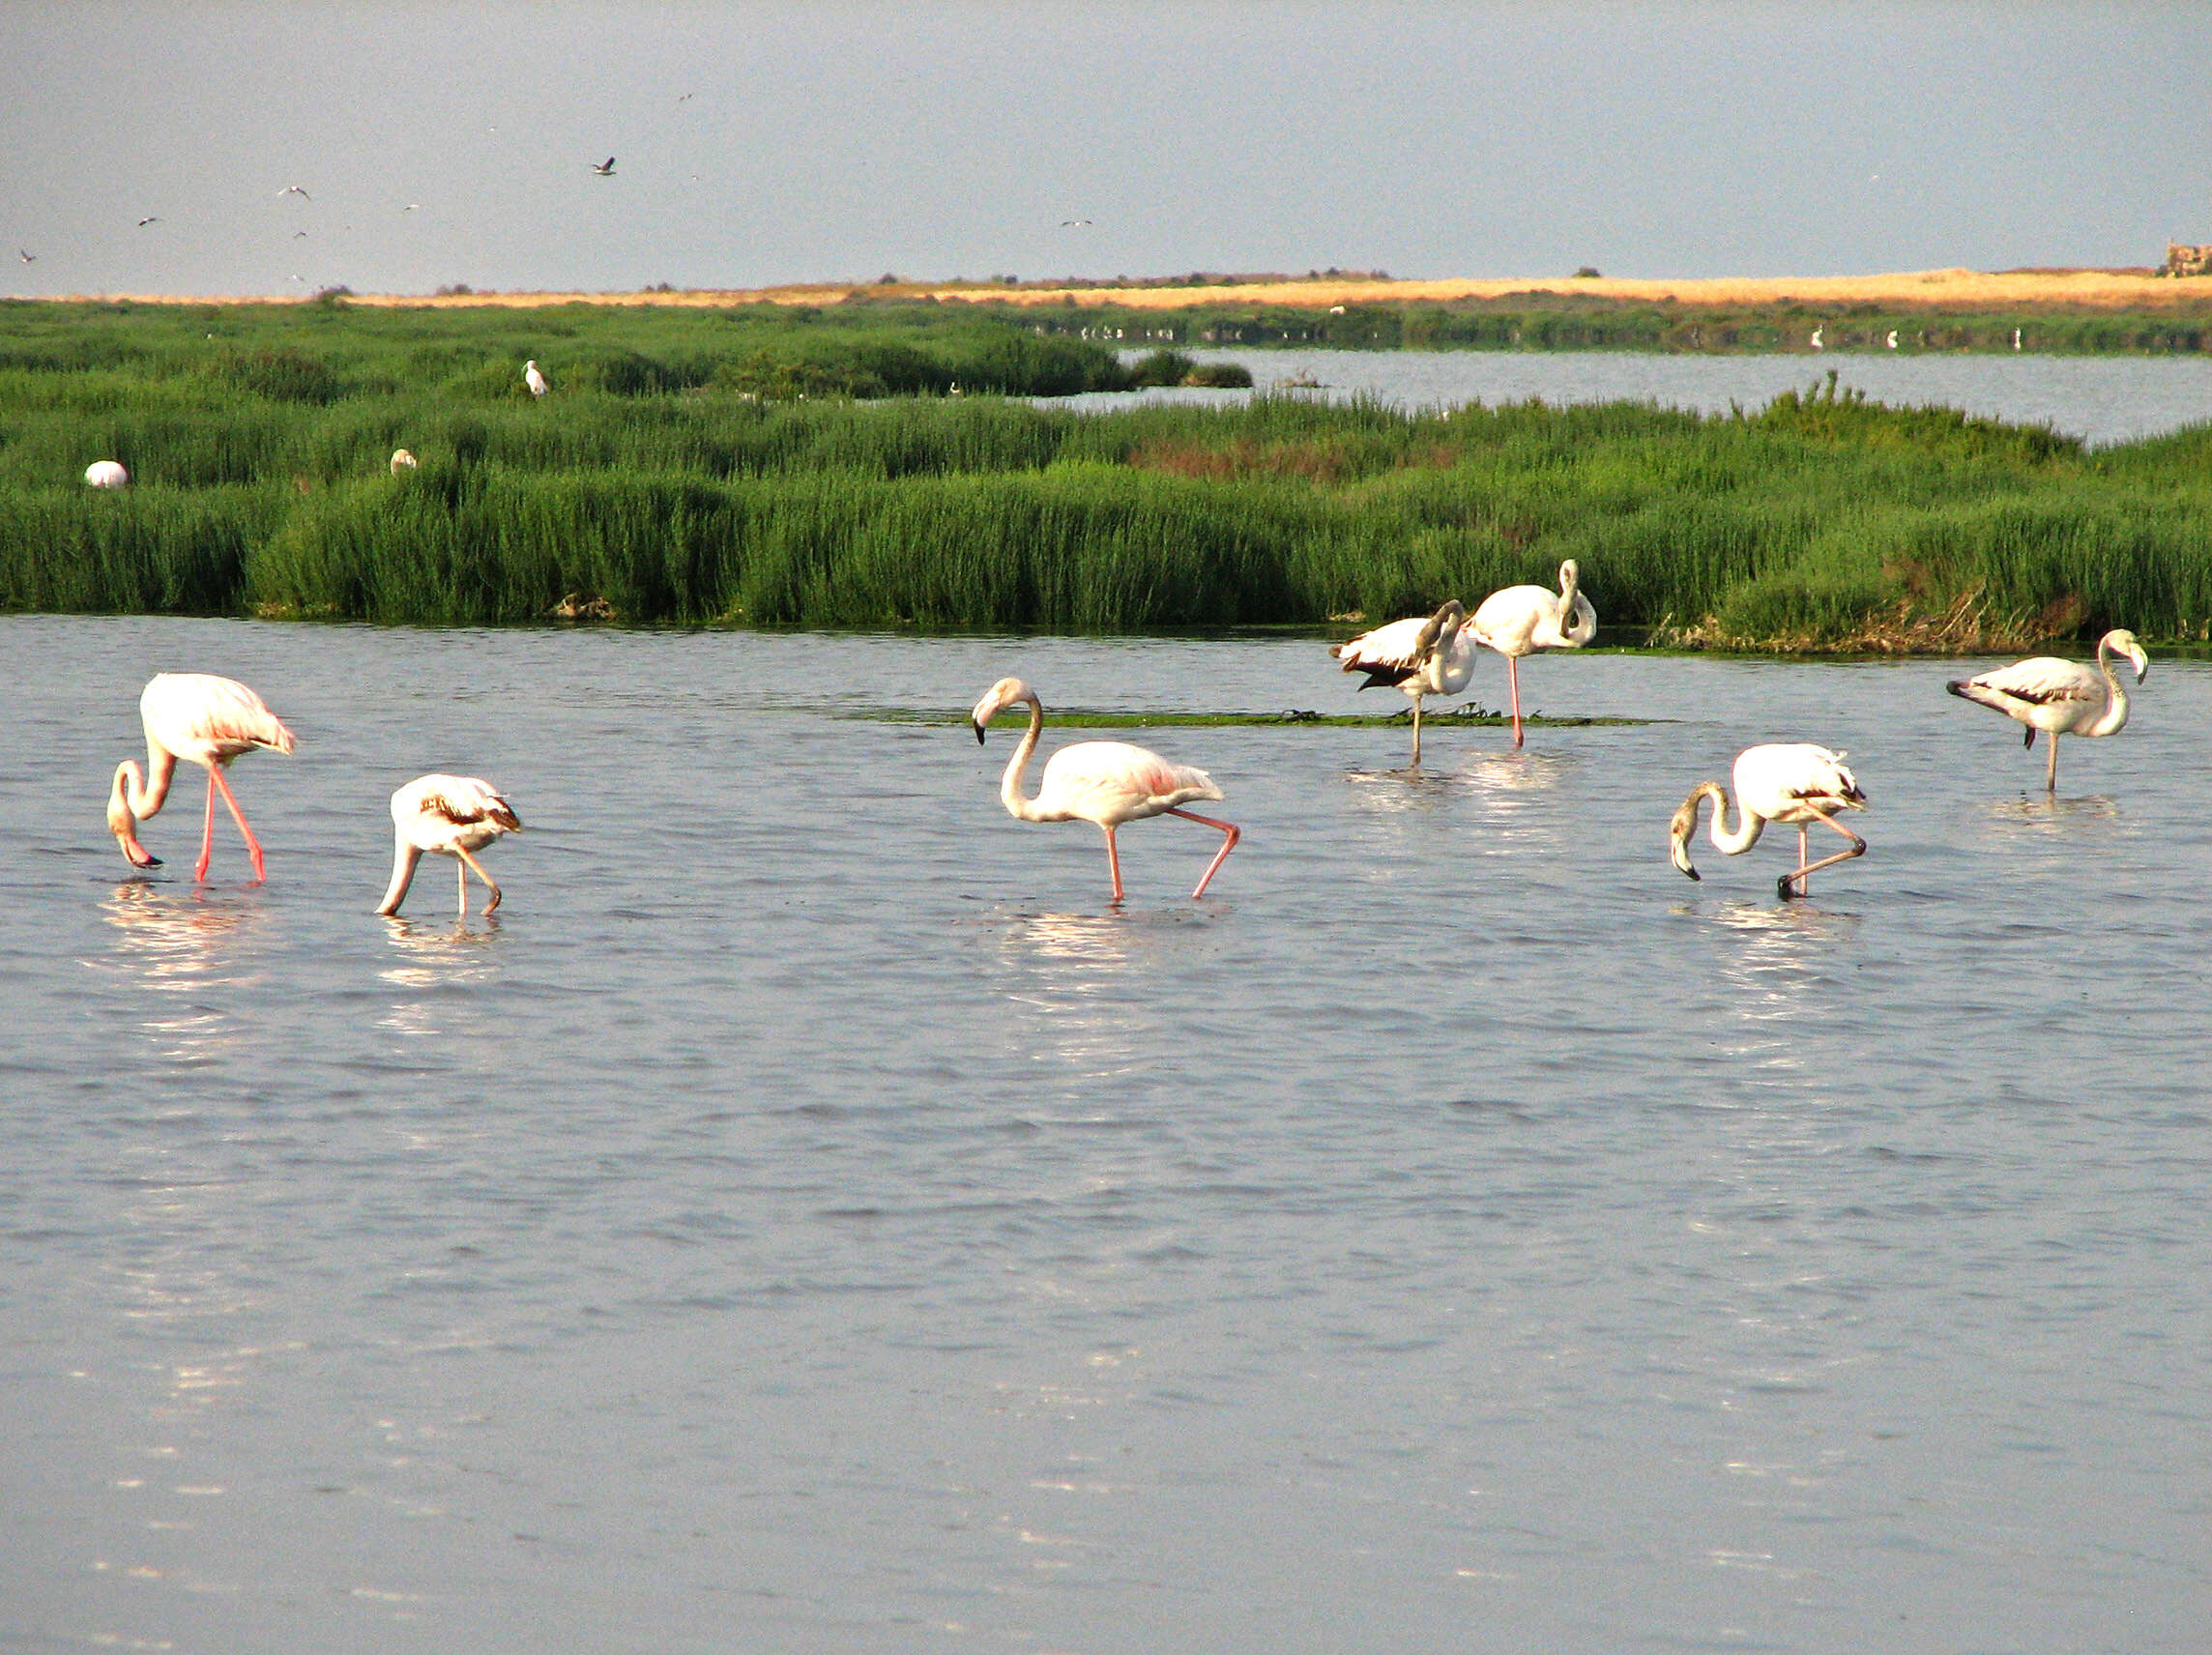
x: 2103, y: 399
x: 808, y: 1219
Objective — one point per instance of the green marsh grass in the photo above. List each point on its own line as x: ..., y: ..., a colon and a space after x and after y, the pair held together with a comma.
x: 654, y: 483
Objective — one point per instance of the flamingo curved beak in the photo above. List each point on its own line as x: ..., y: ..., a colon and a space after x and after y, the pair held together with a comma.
x: 977, y: 724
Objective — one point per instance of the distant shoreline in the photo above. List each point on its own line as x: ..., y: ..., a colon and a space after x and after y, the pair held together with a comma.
x: 1936, y: 289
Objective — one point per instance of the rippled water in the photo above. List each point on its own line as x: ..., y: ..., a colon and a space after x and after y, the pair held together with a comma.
x: 808, y: 1219
x: 2103, y: 399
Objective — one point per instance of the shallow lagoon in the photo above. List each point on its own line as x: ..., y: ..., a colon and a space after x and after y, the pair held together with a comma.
x: 808, y: 1219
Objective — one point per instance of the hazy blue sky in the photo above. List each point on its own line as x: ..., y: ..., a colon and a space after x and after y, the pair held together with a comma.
x: 840, y: 141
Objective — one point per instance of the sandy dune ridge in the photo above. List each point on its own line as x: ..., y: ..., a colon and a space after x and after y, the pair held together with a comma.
x: 2073, y: 289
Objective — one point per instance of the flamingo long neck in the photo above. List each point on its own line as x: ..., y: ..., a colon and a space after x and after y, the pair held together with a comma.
x: 1011, y: 784
x: 143, y: 796
x: 2117, y: 704
x: 404, y: 856
x: 1732, y: 841
x: 1570, y: 582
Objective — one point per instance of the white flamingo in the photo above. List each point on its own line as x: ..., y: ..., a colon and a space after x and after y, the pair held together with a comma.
x: 1792, y: 782
x: 451, y: 816
x: 209, y: 720
x: 1422, y: 655
x: 2058, y: 697
x: 532, y: 378
x: 1106, y: 782
x: 106, y: 474
x: 1521, y: 620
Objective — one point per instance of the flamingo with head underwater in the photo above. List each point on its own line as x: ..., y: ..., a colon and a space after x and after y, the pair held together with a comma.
x: 1106, y: 782
x: 449, y: 816
x: 2060, y: 697
x: 1521, y: 620
x: 209, y: 720
x: 1422, y: 655
x: 1792, y: 782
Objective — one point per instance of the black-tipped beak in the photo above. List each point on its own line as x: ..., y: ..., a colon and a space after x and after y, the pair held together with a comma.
x: 977, y: 727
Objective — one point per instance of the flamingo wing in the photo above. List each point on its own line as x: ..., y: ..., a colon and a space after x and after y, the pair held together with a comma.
x: 2041, y: 681
x: 1783, y: 780
x: 1506, y: 620
x: 1114, y: 781
x: 1401, y: 650
x: 463, y: 801
x: 209, y: 719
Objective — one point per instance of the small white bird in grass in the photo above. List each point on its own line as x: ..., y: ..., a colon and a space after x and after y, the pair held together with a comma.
x: 1422, y: 655
x: 2061, y: 698
x: 1792, y: 782
x: 1105, y: 782
x: 533, y: 379
x: 448, y: 816
x: 106, y: 474
x: 1521, y: 620
x: 1817, y: 344
x: 604, y: 169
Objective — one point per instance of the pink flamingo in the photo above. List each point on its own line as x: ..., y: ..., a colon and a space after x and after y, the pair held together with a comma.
x: 1793, y: 782
x: 1520, y: 619
x: 1422, y: 655
x: 452, y: 816
x: 209, y: 720
x: 1106, y: 782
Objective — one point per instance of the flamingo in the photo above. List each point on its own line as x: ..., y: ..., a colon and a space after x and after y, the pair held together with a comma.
x: 604, y: 169
x: 1521, y: 620
x: 1106, y: 782
x: 451, y: 814
x: 1422, y: 655
x: 2060, y: 697
x: 209, y: 720
x: 1793, y: 782
x: 106, y: 474
x: 532, y: 378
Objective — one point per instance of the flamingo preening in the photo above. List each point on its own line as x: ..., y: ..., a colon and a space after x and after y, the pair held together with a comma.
x: 2060, y: 697
x: 1521, y: 620
x: 451, y: 816
x: 1792, y: 782
x: 1422, y: 655
x: 1106, y: 782
x: 209, y: 720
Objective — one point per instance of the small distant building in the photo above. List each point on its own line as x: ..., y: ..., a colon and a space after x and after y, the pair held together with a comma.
x: 2181, y: 260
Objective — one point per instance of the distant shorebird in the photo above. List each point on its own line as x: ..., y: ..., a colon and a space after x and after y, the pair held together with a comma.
x: 150, y: 219
x: 533, y: 379
x: 2060, y: 697
x: 1073, y: 223
x: 1793, y: 782
x: 297, y: 234
x: 294, y: 189
x: 604, y: 169
x: 411, y: 207
x: 687, y: 97
x: 1817, y: 344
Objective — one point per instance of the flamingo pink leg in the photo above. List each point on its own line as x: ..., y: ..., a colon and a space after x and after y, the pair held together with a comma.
x: 1513, y: 675
x: 1229, y: 833
x: 492, y: 884
x: 1803, y: 877
x: 252, y: 845
x: 1114, y: 864
x: 206, y: 834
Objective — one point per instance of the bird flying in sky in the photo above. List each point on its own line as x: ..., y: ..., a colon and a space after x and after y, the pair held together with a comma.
x: 605, y: 168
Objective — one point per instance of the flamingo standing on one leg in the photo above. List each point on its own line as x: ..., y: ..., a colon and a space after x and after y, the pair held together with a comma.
x: 452, y: 816
x: 1106, y: 782
x: 1793, y: 782
x: 1422, y: 655
x: 1521, y: 620
x: 209, y: 720
x: 2060, y: 697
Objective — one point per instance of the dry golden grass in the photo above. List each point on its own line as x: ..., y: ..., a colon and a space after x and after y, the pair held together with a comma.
x: 2079, y: 289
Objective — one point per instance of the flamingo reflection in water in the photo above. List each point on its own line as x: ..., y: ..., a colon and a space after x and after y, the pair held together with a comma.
x: 1104, y: 782
x: 209, y: 720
